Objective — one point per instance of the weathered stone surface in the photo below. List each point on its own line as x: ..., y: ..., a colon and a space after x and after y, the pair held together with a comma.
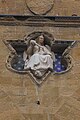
x: 59, y: 95
x: 45, y: 6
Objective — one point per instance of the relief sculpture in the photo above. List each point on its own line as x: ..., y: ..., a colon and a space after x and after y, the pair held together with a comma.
x: 38, y: 54
x: 40, y: 57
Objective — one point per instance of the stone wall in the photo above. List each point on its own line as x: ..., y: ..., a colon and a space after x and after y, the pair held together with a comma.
x: 61, y: 7
x: 60, y: 94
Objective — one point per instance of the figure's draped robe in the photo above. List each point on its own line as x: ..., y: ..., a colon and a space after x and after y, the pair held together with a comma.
x: 41, y: 59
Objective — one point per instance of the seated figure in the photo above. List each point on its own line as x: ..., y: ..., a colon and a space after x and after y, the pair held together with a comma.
x: 40, y: 58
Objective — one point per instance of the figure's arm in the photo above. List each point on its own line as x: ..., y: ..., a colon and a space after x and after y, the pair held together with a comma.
x: 47, y: 46
x: 29, y: 51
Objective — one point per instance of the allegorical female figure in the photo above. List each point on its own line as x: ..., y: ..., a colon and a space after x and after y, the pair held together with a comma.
x: 40, y: 58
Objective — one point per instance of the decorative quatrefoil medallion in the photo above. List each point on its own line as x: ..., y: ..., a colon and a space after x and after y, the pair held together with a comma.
x: 38, y: 55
